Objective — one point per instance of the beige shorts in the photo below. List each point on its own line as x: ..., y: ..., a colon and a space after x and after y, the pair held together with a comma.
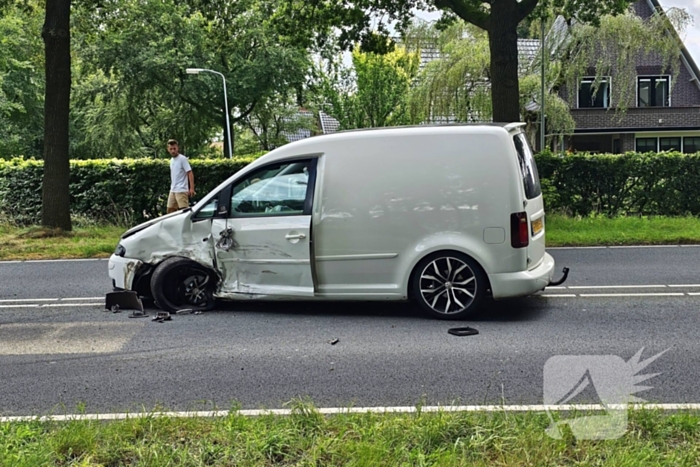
x: 178, y: 200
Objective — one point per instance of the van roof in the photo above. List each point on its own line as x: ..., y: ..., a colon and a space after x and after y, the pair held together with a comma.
x: 507, y: 126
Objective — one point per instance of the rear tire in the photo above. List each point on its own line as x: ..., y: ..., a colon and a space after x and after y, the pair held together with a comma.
x: 180, y: 283
x: 448, y: 285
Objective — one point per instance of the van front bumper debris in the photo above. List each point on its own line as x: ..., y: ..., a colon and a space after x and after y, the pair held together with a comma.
x: 122, y: 271
x: 523, y: 283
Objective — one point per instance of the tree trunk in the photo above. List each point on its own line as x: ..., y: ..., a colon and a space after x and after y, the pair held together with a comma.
x: 55, y: 212
x: 503, y: 43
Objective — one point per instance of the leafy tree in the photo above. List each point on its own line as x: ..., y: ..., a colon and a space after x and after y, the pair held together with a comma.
x: 273, y: 120
x: 499, y: 18
x: 456, y: 87
x: 375, y: 93
x: 145, y: 46
x: 21, y: 83
x: 457, y: 84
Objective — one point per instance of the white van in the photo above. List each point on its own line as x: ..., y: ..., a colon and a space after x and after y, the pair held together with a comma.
x: 444, y: 215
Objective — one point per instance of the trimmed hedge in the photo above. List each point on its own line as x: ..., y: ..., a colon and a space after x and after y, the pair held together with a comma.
x: 131, y: 191
x: 621, y: 184
x: 127, y: 191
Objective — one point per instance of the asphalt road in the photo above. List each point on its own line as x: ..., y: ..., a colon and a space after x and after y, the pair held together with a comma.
x: 59, y: 349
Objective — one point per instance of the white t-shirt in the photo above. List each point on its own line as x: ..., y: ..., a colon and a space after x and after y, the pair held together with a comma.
x: 179, y: 166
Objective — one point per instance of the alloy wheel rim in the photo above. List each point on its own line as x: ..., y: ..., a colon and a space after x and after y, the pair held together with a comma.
x: 195, y: 289
x: 448, y: 285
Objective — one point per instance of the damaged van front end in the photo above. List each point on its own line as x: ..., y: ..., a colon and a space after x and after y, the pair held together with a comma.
x: 168, y: 244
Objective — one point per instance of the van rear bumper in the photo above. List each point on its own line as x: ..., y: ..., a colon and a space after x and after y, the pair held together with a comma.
x: 520, y: 284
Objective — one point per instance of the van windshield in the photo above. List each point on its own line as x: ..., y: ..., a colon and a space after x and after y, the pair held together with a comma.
x: 528, y: 167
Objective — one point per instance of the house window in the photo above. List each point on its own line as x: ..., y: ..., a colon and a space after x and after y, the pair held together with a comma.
x: 647, y: 145
x: 590, y: 96
x: 652, y: 91
x: 691, y: 144
x: 669, y: 144
x: 616, y: 146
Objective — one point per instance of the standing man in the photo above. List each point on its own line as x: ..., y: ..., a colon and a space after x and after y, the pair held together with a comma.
x: 181, y: 179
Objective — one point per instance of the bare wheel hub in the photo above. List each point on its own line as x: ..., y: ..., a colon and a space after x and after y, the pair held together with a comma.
x: 195, y: 289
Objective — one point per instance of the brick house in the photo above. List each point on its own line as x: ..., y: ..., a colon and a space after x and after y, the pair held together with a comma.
x: 660, y: 117
x: 657, y: 120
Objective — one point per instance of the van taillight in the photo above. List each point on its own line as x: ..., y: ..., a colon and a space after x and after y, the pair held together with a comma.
x: 519, y: 233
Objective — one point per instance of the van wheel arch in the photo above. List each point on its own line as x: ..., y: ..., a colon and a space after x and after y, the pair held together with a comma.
x: 481, y: 279
x: 174, y: 278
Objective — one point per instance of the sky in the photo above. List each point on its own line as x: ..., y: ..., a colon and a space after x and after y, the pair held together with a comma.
x: 692, y: 33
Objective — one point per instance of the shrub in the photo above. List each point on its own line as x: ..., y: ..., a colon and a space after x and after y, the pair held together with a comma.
x: 131, y: 191
x: 126, y: 191
x: 621, y: 184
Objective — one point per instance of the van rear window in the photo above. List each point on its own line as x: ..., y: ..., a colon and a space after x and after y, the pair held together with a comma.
x: 528, y: 167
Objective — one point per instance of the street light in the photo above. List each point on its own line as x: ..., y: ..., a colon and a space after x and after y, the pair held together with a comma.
x: 196, y: 71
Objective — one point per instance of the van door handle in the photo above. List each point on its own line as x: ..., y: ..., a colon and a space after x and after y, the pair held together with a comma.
x: 295, y: 236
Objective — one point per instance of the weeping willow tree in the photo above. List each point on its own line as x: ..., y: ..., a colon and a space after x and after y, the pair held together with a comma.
x: 455, y: 87
x: 616, y: 47
x: 558, y: 119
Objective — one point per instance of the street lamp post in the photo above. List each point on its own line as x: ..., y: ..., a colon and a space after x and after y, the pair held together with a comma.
x: 196, y: 71
x: 542, y: 77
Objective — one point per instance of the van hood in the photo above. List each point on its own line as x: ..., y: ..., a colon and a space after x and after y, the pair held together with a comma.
x: 147, y: 224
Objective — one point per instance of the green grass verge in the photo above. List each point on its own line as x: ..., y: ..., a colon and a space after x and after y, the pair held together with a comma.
x: 38, y: 243
x: 99, y: 241
x: 307, y: 438
x: 595, y: 231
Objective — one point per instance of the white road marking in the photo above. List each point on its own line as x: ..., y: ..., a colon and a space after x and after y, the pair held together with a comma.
x: 633, y: 295
x: 359, y: 410
x: 619, y: 246
x: 50, y: 305
x: 616, y: 286
x: 577, y: 248
x: 67, y: 301
x: 644, y: 246
x: 30, y: 300
x: 82, y: 298
x: 61, y: 305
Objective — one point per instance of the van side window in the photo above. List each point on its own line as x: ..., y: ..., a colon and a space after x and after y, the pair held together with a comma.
x: 278, y: 189
x: 528, y: 167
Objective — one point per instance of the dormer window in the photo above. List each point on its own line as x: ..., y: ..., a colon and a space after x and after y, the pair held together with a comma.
x: 653, y: 91
x: 591, y: 95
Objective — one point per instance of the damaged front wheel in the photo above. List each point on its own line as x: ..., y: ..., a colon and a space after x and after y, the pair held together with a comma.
x: 179, y: 283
